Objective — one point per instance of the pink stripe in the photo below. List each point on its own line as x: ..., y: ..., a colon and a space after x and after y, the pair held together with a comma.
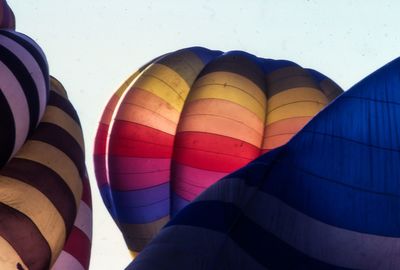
x: 31, y: 64
x: 16, y: 99
x: 100, y: 170
x: 189, y: 182
x: 67, y: 262
x: 130, y: 173
x: 83, y: 220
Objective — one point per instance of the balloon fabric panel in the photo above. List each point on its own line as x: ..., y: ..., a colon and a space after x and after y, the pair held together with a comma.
x: 328, y: 199
x: 187, y: 119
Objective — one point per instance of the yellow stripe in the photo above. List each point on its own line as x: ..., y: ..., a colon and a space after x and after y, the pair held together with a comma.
x: 230, y: 93
x: 57, y: 87
x: 34, y: 204
x: 295, y: 95
x: 58, y: 117
x: 9, y: 258
x: 56, y: 160
x: 228, y: 78
x: 126, y: 84
x: 165, y: 83
x: 133, y: 254
x: 302, y: 108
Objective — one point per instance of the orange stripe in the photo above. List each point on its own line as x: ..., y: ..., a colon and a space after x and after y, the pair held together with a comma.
x: 226, y: 109
x: 142, y: 107
x: 222, y: 126
x: 279, y: 133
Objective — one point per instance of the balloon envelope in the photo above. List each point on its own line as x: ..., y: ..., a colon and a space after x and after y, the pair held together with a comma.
x: 328, y: 199
x: 189, y: 118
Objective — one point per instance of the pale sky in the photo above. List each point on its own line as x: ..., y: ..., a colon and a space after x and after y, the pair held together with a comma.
x: 93, y: 45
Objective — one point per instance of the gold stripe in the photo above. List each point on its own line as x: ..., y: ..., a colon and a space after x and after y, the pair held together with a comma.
x: 165, y: 83
x: 235, y: 80
x: 56, y: 160
x: 57, y: 87
x: 9, y: 258
x: 296, y: 95
x: 127, y: 84
x: 223, y: 109
x: 133, y: 254
x: 142, y: 107
x: 58, y: 117
x: 34, y: 204
x: 295, y: 102
x: 301, y: 108
x: 231, y: 87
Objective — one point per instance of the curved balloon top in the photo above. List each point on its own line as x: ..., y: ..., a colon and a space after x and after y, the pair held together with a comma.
x: 24, y: 85
x: 76, y: 251
x: 187, y: 119
x: 328, y: 199
x: 42, y: 183
x: 7, y: 18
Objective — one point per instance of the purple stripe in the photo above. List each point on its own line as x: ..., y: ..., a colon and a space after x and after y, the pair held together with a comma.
x: 137, y: 173
x: 143, y: 197
x: 177, y: 203
x: 142, y: 206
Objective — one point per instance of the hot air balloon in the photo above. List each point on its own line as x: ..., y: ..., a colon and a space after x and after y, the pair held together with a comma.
x: 7, y: 18
x: 328, y: 199
x: 45, y: 194
x: 189, y: 118
x: 24, y: 83
x: 76, y: 252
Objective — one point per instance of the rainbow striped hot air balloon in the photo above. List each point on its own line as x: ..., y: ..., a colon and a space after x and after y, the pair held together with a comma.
x: 190, y: 117
x: 328, y: 199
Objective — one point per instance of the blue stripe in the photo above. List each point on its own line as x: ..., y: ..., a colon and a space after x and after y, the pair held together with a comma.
x: 343, y: 167
x: 142, y: 206
x: 261, y: 245
x: 177, y: 203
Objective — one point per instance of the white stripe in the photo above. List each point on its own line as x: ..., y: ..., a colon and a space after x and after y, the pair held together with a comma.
x: 318, y: 240
x: 15, y: 96
x: 67, y: 262
x: 32, y: 66
x: 83, y: 220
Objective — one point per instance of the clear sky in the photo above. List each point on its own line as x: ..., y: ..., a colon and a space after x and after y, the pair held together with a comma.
x: 93, y: 45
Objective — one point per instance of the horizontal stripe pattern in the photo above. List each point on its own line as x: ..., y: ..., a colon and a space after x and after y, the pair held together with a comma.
x: 140, y: 137
x: 24, y: 83
x: 328, y: 199
x: 43, y: 186
x: 188, y: 119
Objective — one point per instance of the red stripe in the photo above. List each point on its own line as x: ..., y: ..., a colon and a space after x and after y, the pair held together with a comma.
x: 135, y: 140
x: 78, y: 245
x: 212, y: 152
x: 86, y: 193
x: 100, y: 140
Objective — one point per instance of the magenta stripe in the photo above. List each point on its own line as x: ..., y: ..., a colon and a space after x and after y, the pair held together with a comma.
x: 100, y: 170
x: 129, y: 173
x: 189, y: 182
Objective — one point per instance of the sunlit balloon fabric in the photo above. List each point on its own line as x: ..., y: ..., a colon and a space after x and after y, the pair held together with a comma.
x: 329, y: 199
x: 76, y: 252
x: 24, y: 85
x: 41, y: 190
x: 187, y: 119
